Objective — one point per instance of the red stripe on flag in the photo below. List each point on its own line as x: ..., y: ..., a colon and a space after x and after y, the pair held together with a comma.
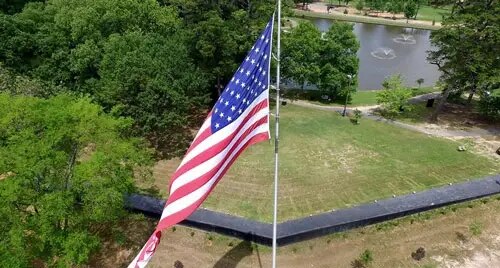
x: 183, y: 214
x: 210, y: 152
x: 202, y: 179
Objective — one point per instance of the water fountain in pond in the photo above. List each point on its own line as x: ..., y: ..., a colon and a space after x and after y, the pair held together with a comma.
x: 406, y: 39
x: 384, y: 53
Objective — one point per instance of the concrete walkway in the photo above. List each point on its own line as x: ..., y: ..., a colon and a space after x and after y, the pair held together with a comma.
x: 430, y: 129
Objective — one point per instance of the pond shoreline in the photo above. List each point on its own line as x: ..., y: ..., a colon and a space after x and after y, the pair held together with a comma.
x: 362, y: 19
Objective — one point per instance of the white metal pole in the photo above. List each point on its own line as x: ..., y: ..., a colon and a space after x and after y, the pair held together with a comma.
x: 276, y: 137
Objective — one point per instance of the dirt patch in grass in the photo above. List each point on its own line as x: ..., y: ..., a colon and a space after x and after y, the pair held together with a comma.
x: 392, y: 244
x: 485, y: 146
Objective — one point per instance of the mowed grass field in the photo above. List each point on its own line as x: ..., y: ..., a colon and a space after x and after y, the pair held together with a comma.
x: 328, y: 163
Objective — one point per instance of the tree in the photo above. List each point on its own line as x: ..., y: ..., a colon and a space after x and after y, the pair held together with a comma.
x: 420, y: 81
x: 360, y: 5
x: 154, y: 81
x: 301, y: 54
x: 378, y: 5
x: 489, y: 104
x: 13, y: 6
x: 394, y: 97
x: 220, y: 33
x: 338, y: 61
x: 65, y: 168
x: 150, y: 79
x: 467, y: 49
x: 410, y: 9
x: 394, y: 6
x: 23, y: 85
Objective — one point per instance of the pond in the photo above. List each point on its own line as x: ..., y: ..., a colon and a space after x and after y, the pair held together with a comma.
x: 386, y: 50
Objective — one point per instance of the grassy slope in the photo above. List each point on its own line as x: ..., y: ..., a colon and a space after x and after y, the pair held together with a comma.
x: 432, y: 13
x: 326, y: 163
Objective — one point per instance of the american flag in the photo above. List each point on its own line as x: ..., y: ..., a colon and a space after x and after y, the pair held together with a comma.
x: 239, y: 119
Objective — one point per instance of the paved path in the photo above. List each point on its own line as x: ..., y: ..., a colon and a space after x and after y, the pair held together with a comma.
x: 430, y: 129
x: 382, y: 18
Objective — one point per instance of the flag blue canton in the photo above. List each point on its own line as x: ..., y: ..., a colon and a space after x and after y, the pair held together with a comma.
x: 248, y: 82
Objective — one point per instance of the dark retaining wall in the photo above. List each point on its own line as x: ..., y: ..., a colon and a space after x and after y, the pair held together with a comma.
x: 318, y: 225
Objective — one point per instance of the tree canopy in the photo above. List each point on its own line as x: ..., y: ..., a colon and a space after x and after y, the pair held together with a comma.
x: 394, y: 97
x: 157, y: 62
x: 467, y: 49
x: 65, y: 167
x: 325, y: 59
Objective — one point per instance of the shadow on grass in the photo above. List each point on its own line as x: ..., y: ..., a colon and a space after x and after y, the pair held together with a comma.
x: 235, y: 255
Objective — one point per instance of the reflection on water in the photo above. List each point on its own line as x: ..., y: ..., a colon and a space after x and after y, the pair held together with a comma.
x: 386, y: 50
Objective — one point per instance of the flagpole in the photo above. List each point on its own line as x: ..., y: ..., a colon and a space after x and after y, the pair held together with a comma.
x: 276, y: 137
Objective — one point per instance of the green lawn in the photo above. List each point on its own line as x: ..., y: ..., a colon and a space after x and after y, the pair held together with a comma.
x: 358, y: 98
x: 328, y: 163
x: 432, y: 13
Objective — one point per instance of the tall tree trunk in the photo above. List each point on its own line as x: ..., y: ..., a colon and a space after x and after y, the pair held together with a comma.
x: 416, y: 12
x: 469, y: 100
x: 439, y: 107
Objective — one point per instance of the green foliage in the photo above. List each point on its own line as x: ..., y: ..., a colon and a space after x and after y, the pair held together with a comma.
x: 301, y: 53
x: 366, y: 257
x: 131, y: 56
x: 376, y: 4
x: 467, y: 48
x: 323, y: 60
x: 394, y: 97
x: 476, y: 228
x: 394, y: 6
x: 360, y: 5
x: 357, y: 116
x: 338, y: 61
x: 13, y: 6
x: 65, y: 168
x: 489, y: 104
x: 23, y: 85
x: 156, y: 63
x: 410, y: 9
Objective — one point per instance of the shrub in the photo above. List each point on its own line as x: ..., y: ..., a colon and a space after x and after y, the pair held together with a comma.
x: 476, y: 228
x: 366, y: 257
x: 357, y: 116
x: 394, y: 97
